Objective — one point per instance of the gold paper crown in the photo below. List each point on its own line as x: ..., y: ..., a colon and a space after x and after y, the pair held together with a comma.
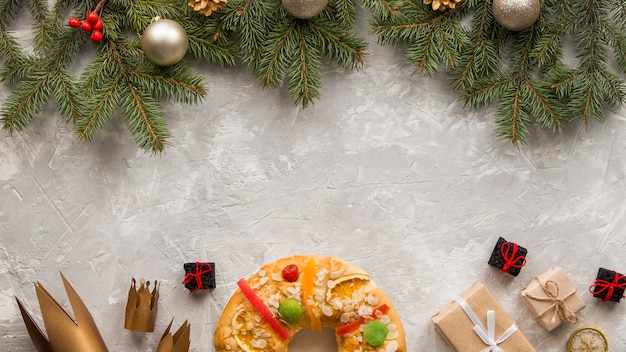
x: 141, y: 308
x: 64, y: 333
x: 179, y: 342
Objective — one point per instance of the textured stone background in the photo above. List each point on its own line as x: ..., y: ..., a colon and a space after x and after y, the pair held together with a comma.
x: 388, y: 171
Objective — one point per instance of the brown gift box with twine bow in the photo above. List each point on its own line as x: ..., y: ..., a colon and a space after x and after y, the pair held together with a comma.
x: 457, y: 327
x: 553, y: 299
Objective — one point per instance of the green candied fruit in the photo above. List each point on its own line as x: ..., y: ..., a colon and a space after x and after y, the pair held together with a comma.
x: 375, y: 333
x: 290, y: 311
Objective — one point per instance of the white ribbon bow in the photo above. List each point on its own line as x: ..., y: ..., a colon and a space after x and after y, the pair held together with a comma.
x: 488, y: 336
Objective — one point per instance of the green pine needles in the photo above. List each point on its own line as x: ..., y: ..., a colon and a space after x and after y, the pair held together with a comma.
x: 524, y: 71
x: 279, y: 47
x: 118, y: 78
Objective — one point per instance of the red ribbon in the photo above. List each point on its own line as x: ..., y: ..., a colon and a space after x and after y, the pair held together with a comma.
x: 197, y: 275
x: 603, y: 285
x: 510, y: 259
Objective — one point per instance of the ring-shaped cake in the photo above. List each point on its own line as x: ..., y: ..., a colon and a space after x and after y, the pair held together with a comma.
x: 308, y: 291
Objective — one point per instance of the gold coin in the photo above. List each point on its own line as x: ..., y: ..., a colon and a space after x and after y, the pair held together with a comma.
x: 587, y: 340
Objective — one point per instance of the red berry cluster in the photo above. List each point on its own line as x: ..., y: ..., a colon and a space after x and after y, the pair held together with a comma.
x: 92, y: 24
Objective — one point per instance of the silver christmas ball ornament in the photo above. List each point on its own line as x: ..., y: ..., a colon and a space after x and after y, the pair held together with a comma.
x: 516, y: 15
x: 164, y: 42
x: 305, y: 9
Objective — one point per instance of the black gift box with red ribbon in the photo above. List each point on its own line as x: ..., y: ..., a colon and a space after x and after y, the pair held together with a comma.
x: 199, y: 276
x: 508, y: 257
x: 609, y: 285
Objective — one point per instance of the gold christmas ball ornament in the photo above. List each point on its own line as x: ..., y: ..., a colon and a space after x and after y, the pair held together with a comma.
x: 164, y: 42
x: 516, y: 15
x: 442, y: 4
x: 305, y: 9
x: 207, y: 7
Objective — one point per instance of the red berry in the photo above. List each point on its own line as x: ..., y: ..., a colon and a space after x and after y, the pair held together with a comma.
x: 74, y: 22
x: 290, y: 273
x: 98, y: 25
x: 96, y: 36
x: 85, y: 26
x: 92, y: 17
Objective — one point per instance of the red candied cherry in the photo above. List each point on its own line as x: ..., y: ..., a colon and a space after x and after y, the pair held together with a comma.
x: 92, y: 17
x: 290, y: 273
x: 96, y: 36
x: 98, y: 25
x: 85, y: 26
x: 74, y: 22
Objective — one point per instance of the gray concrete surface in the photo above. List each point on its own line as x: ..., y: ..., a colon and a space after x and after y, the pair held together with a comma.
x: 388, y: 171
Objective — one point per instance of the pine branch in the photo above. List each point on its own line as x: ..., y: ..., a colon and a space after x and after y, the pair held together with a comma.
x: 522, y: 99
x: 434, y: 37
x: 496, y: 65
x: 588, y: 87
x: 141, y: 12
x: 341, y: 11
x: 65, y: 91
x: 42, y: 38
x: 271, y: 43
x: 340, y: 46
x: 143, y: 116
x: 305, y: 74
x: 119, y: 75
x: 212, y: 51
x: 10, y: 50
x: 19, y: 69
x: 249, y: 19
x: 513, y: 121
x: 24, y: 103
x: 281, y: 49
x: 384, y: 9
x: 175, y: 83
x: 100, y: 109
x: 8, y: 10
x: 480, y: 54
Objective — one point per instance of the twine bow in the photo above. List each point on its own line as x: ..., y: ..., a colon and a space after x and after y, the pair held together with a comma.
x: 487, y: 336
x: 608, y: 286
x: 551, y: 289
x: 510, y: 259
x: 197, y: 275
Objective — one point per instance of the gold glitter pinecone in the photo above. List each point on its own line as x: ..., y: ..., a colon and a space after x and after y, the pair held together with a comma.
x: 442, y: 4
x: 207, y: 7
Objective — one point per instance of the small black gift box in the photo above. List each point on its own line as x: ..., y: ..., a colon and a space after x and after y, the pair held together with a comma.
x: 199, y: 276
x: 609, y: 285
x: 508, y: 257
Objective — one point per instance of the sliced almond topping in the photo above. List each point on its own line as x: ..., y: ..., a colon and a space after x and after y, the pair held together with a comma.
x: 345, y: 317
x: 327, y: 311
x: 336, y: 274
x: 258, y: 343
x: 364, y: 311
x: 372, y: 300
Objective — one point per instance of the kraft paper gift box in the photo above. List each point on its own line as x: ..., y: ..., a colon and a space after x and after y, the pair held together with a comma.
x: 476, y: 322
x: 552, y: 299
